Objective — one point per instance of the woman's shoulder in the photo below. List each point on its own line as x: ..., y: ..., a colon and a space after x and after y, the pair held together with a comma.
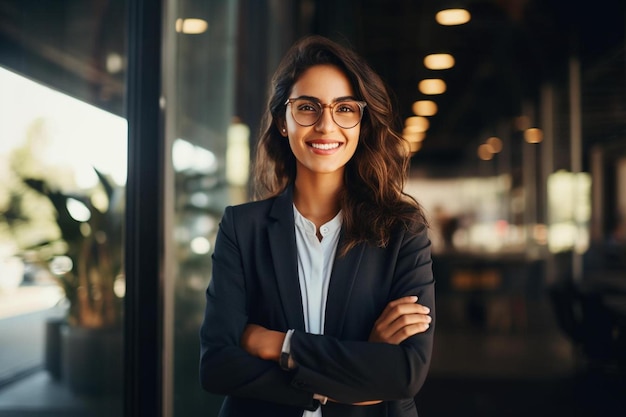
x: 280, y: 201
x: 259, y: 210
x: 251, y: 208
x: 411, y: 228
x: 411, y: 218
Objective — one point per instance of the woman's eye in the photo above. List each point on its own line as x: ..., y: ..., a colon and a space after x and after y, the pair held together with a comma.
x: 307, y: 107
x: 345, y: 108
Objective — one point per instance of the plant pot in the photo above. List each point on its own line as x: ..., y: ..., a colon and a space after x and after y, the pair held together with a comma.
x: 92, y: 360
x: 53, y: 347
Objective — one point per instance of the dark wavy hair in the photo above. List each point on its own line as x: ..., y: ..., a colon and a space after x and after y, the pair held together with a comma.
x: 373, y: 202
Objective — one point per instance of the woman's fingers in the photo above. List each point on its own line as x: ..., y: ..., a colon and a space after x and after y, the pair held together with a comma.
x: 401, y: 319
x: 402, y: 328
x: 409, y: 300
x: 402, y: 306
x: 395, y: 310
x: 405, y: 332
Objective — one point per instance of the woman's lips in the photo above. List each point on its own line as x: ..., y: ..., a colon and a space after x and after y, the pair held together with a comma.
x: 325, y: 146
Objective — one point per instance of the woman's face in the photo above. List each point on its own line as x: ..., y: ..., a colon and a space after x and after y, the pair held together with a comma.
x: 324, y: 147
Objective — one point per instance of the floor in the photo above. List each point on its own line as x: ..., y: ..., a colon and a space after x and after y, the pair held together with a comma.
x: 503, y: 361
x: 512, y: 359
x: 572, y: 396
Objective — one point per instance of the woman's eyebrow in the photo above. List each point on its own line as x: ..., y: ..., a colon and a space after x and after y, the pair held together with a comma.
x: 344, y: 98
x: 335, y: 100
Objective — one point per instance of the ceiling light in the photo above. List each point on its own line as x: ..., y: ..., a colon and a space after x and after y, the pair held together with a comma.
x: 495, y: 144
x: 415, y: 146
x: 413, y: 143
x: 416, y: 124
x: 432, y: 86
x: 484, y: 152
x: 533, y: 135
x: 453, y: 17
x: 413, y: 136
x: 439, y: 61
x: 424, y: 108
x: 191, y: 26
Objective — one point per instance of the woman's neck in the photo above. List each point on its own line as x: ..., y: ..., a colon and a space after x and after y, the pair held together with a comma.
x: 317, y: 197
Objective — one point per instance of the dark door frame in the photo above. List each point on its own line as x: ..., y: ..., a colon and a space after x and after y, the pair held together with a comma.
x: 144, y: 213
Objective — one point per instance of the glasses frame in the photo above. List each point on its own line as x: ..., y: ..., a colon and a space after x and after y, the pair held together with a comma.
x: 331, y: 106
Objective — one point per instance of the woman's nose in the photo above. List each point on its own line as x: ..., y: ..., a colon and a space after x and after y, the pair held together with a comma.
x: 326, y: 121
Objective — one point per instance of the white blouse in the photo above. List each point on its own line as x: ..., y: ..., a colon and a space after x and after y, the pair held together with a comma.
x: 315, y: 264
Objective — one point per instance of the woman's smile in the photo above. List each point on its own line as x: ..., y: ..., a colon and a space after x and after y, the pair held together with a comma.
x: 323, y: 146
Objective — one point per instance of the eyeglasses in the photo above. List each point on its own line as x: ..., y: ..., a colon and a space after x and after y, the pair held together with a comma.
x: 345, y: 113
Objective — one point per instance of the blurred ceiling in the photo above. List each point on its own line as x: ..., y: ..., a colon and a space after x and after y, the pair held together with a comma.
x: 503, y: 56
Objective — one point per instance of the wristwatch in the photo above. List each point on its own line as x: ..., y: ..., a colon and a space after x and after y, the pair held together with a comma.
x: 284, y: 360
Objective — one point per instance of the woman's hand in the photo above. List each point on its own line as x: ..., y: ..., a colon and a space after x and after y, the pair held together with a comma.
x: 261, y: 342
x: 401, y: 319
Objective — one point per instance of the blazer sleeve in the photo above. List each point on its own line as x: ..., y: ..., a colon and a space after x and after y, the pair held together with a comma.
x: 356, y: 371
x: 226, y: 368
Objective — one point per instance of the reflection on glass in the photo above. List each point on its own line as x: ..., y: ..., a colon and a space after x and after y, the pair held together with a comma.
x: 61, y: 210
x: 209, y: 170
x: 193, y: 159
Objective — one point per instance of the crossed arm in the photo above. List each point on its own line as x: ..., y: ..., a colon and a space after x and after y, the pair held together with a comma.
x: 401, y: 319
x: 239, y: 359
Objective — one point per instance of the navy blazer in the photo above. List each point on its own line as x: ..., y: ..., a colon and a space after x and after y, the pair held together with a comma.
x: 255, y: 280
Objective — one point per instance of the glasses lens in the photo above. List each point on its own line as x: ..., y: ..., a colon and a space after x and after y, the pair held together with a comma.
x: 305, y: 112
x: 347, y: 114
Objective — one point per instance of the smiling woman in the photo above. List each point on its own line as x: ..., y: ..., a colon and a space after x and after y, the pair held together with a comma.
x: 314, y: 294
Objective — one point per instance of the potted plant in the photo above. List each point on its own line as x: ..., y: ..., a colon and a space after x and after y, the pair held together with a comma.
x: 90, y: 273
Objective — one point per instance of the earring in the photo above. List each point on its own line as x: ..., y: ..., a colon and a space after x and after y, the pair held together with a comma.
x: 284, y: 130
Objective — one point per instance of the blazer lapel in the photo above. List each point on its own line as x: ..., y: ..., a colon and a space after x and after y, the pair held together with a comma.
x: 282, y: 238
x: 342, y: 280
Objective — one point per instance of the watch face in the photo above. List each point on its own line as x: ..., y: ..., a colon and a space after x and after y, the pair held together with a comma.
x: 284, y: 361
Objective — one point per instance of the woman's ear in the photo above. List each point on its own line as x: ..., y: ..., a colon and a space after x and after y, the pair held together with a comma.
x: 281, y: 125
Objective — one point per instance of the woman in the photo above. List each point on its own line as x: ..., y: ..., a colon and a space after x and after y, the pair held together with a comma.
x: 312, y: 307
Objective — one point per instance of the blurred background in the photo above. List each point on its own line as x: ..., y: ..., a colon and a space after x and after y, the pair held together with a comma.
x: 515, y: 111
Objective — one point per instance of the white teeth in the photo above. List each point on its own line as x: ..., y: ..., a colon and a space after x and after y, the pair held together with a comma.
x: 325, y: 146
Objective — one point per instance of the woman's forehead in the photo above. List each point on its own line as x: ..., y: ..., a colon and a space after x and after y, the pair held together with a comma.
x: 325, y: 82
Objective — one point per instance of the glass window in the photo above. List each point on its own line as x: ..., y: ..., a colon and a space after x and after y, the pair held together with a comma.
x: 62, y: 184
x: 204, y: 143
